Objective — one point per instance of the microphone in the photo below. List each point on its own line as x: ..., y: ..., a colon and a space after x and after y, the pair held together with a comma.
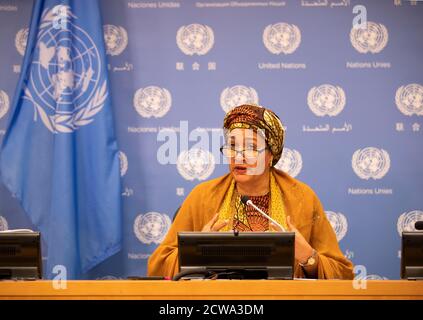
x: 246, y: 200
x: 418, y: 225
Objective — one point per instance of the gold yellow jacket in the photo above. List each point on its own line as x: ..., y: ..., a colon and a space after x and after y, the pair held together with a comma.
x: 301, y: 203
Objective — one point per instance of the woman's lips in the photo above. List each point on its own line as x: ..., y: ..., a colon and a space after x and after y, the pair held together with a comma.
x: 240, y: 170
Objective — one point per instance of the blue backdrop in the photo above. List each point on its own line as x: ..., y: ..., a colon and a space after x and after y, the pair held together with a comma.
x: 345, y: 77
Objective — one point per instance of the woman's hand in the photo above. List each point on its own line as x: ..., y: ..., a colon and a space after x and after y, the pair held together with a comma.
x: 302, y: 248
x: 213, y: 225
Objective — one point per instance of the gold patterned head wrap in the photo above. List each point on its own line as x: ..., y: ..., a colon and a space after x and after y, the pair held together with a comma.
x: 248, y: 116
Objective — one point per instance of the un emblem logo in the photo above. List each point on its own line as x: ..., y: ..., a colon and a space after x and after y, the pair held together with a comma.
x: 151, y: 227
x: 4, y: 103
x: 115, y: 38
x: 3, y: 224
x: 371, y: 163
x: 281, y: 38
x: 407, y: 220
x: 372, y: 39
x: 290, y: 162
x: 123, y: 159
x: 195, y: 164
x: 236, y: 96
x: 326, y: 100
x: 195, y: 39
x: 21, y: 39
x: 152, y: 101
x: 66, y: 84
x: 409, y: 99
x: 339, y: 223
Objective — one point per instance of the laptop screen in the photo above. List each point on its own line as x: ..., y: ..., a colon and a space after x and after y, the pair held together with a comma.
x: 20, y: 255
x: 268, y: 255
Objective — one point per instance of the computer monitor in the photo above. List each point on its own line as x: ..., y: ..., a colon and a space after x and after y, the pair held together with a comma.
x: 412, y: 255
x: 243, y: 255
x: 20, y: 255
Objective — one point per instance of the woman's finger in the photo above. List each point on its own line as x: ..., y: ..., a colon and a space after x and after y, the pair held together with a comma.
x: 214, y: 219
x: 209, y: 225
x: 220, y: 225
x: 290, y: 225
x: 274, y: 227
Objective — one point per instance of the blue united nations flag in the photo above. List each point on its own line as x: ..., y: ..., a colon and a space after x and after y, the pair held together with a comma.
x: 59, y: 156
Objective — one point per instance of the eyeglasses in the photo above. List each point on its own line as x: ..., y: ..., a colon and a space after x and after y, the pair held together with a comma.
x: 250, y: 153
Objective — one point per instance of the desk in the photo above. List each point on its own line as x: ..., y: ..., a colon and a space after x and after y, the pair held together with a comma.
x: 212, y: 289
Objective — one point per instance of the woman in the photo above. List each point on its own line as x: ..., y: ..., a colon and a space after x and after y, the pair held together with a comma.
x: 254, y: 143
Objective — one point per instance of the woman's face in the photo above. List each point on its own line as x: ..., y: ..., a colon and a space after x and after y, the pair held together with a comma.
x: 243, y: 167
